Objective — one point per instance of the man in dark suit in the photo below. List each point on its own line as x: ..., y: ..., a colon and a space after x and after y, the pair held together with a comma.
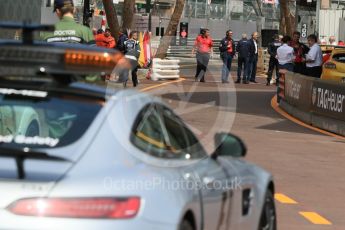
x: 243, y: 49
x: 273, y: 63
x: 253, y: 58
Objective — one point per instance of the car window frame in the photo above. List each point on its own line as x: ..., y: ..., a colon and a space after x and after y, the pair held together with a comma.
x: 137, y: 122
x: 178, y: 121
x: 184, y: 128
x: 168, y: 151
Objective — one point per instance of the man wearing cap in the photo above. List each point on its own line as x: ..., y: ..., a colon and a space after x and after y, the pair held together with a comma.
x: 67, y: 30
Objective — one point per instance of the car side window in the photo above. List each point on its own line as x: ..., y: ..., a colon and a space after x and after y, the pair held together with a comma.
x: 177, y: 137
x: 147, y: 133
x: 182, y: 141
x: 339, y: 57
x: 195, y: 148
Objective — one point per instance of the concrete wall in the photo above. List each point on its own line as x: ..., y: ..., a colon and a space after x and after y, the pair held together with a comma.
x: 217, y: 27
x: 47, y: 16
x: 19, y: 11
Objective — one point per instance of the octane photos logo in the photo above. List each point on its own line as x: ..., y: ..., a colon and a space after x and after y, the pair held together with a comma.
x: 328, y: 100
x: 207, y: 109
x: 157, y: 183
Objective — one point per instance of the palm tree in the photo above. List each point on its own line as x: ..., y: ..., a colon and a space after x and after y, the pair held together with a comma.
x: 113, y: 23
x: 287, y: 21
x: 128, y: 14
x: 171, y: 30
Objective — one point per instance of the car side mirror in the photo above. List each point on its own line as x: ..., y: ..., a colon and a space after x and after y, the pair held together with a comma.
x: 228, y: 145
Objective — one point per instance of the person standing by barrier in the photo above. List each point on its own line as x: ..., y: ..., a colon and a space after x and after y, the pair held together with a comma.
x: 227, y: 52
x: 300, y: 50
x: 285, y: 55
x: 272, y: 50
x: 243, y: 50
x: 203, y: 46
x: 132, y: 53
x: 253, y: 59
x: 314, y: 58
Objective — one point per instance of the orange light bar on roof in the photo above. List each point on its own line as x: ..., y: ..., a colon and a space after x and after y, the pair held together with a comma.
x: 86, y: 59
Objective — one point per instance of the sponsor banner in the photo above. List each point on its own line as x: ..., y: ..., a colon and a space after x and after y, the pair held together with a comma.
x: 298, y: 91
x: 328, y: 99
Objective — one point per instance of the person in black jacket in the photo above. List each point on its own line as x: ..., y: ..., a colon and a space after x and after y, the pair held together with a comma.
x: 227, y: 52
x: 272, y: 50
x: 132, y: 53
x: 120, y: 44
x: 243, y: 50
x: 253, y: 58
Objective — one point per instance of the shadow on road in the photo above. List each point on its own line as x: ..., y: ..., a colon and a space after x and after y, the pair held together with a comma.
x: 256, y: 103
x: 288, y: 126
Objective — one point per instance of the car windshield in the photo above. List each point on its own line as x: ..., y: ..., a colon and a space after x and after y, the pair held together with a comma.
x: 43, y: 119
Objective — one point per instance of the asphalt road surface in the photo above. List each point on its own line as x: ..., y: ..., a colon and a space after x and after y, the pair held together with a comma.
x: 308, y: 166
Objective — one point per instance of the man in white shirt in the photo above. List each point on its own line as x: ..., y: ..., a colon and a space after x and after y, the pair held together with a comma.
x: 314, y: 58
x: 285, y: 55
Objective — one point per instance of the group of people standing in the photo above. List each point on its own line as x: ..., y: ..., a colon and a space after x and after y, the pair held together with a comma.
x: 104, y: 39
x: 247, y: 50
x: 292, y: 55
x: 285, y: 53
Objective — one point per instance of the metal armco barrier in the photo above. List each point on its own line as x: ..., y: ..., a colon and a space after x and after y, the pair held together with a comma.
x: 165, y: 69
x: 314, y: 101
